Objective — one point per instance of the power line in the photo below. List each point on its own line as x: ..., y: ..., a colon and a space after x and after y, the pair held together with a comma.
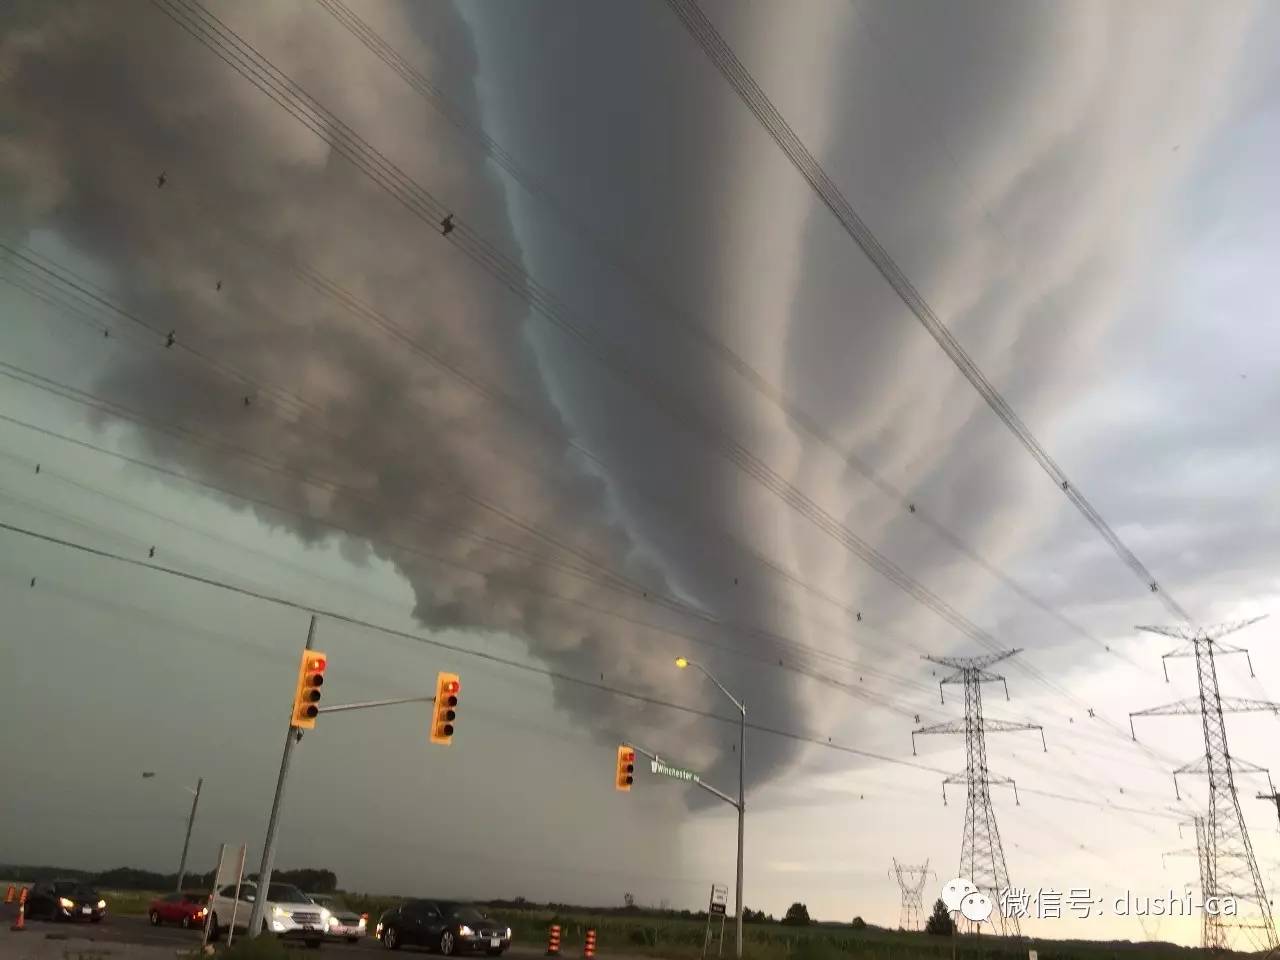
x: 749, y: 91
x: 338, y: 617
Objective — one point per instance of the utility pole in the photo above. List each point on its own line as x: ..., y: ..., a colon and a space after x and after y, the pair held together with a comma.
x: 1230, y: 868
x: 291, y: 737
x: 911, y: 881
x: 981, y: 853
x: 186, y: 844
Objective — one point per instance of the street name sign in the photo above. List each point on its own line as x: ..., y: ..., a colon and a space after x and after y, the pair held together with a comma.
x: 679, y: 773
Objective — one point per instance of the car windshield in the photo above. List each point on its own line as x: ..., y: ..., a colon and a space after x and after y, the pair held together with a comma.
x: 285, y: 893
x: 193, y: 897
x: 462, y: 911
x: 69, y: 888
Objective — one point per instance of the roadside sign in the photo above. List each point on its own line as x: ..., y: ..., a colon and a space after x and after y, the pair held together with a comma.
x: 719, y: 898
x: 666, y: 770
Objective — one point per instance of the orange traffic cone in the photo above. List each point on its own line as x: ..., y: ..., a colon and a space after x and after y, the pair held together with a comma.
x: 589, y: 945
x: 553, y: 941
x: 11, y: 894
x: 21, y: 922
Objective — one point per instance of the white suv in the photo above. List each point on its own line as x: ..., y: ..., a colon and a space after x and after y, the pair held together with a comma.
x: 287, y: 913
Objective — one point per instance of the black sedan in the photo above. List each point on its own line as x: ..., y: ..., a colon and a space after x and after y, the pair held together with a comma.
x: 445, y: 926
x: 65, y: 900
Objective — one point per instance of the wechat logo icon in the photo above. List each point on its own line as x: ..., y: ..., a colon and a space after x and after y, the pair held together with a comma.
x: 963, y: 896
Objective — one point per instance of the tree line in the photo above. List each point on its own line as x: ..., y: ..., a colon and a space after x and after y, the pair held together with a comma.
x: 309, y: 879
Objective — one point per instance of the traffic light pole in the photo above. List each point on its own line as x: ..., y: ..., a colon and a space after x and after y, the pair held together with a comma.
x: 291, y: 737
x: 739, y: 804
x: 682, y: 663
x: 742, y: 813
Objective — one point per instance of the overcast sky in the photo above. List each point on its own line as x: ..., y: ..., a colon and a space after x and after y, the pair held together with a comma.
x: 358, y: 416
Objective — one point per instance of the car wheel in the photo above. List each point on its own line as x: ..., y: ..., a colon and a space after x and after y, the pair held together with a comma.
x: 391, y: 938
x: 154, y: 917
x: 447, y: 943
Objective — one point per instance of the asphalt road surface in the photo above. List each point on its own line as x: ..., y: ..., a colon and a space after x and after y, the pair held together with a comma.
x: 138, y: 930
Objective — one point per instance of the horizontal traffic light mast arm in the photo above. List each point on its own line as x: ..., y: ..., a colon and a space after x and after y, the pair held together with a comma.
x: 697, y: 782
x: 366, y: 704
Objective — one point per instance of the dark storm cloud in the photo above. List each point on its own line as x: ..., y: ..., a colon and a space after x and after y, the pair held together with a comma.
x: 100, y: 103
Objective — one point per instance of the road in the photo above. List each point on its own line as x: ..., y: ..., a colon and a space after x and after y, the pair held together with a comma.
x: 138, y: 930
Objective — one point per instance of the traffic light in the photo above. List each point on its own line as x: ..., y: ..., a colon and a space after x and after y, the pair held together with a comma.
x: 446, y: 711
x: 306, y: 699
x: 626, y: 767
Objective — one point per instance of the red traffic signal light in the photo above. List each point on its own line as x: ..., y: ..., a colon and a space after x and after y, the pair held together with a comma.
x: 445, y: 711
x: 623, y: 776
x: 306, y: 696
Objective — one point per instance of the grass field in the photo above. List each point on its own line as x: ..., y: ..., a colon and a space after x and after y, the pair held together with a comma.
x: 681, y: 939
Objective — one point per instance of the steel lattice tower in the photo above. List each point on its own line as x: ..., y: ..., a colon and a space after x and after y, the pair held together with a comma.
x: 1229, y: 868
x: 981, y: 853
x: 911, y: 881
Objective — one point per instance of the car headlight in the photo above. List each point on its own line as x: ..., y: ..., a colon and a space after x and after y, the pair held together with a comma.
x: 278, y: 911
x: 65, y: 904
x: 364, y: 922
x: 102, y: 904
x: 465, y: 931
x: 508, y: 933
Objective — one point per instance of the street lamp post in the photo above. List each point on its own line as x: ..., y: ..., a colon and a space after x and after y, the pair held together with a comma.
x: 191, y: 819
x: 683, y: 662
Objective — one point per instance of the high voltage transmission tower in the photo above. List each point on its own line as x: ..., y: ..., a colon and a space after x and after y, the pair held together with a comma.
x: 981, y: 853
x: 911, y: 881
x: 1229, y: 868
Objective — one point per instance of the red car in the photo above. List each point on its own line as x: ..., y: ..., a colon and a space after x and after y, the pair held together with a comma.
x: 184, y: 909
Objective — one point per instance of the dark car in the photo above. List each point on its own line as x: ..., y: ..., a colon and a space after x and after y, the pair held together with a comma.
x: 65, y: 900
x: 445, y: 926
x: 185, y: 909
